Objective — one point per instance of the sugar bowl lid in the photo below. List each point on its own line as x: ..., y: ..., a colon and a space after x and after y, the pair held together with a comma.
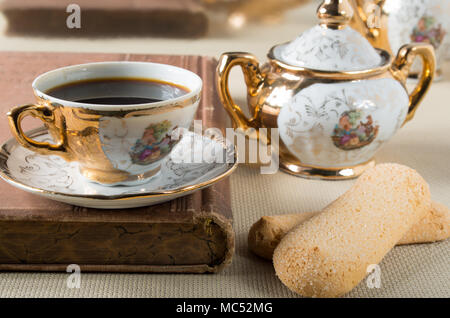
x: 332, y: 45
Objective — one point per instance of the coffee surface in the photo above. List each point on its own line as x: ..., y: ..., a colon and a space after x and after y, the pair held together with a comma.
x: 118, y: 100
x: 117, y: 91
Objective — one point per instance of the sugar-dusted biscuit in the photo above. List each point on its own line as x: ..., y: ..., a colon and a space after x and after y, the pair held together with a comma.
x: 329, y: 254
x: 268, y: 231
x: 435, y: 226
x: 265, y: 235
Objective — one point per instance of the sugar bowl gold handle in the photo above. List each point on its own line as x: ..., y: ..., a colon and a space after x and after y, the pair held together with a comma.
x: 253, y: 79
x: 46, y: 113
x: 403, y: 62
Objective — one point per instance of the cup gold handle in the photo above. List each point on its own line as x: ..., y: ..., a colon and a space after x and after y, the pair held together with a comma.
x: 253, y: 79
x: 402, y: 64
x: 46, y: 113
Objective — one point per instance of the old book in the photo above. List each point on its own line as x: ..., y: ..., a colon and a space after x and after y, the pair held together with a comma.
x: 192, y: 234
x: 168, y: 18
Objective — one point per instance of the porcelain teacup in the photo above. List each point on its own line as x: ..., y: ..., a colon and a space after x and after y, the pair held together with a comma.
x: 116, y: 144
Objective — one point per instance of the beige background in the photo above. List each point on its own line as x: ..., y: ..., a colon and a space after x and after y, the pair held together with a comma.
x: 424, y: 144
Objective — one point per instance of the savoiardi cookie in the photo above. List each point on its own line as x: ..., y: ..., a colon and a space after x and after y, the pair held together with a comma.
x: 265, y: 235
x: 328, y: 255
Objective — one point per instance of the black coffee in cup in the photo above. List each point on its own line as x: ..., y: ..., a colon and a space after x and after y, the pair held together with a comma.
x: 117, y: 91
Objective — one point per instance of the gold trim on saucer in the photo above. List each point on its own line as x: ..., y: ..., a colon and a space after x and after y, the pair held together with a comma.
x: 104, y: 177
x: 5, y: 174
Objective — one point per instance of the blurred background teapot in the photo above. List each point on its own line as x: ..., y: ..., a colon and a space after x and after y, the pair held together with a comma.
x: 334, y: 98
x: 390, y: 24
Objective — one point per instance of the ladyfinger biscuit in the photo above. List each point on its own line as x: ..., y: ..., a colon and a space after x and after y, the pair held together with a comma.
x: 265, y: 234
x: 435, y: 226
x: 328, y: 255
x: 268, y: 231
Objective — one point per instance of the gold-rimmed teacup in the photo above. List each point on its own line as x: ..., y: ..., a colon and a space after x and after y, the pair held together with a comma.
x: 113, y: 144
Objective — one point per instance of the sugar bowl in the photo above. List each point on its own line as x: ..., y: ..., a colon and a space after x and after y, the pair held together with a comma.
x: 334, y: 98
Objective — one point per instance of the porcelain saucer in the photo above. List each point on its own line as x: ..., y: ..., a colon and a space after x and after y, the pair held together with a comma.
x: 56, y: 179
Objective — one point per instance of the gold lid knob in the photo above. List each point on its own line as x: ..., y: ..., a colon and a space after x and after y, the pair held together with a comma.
x: 335, y: 14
